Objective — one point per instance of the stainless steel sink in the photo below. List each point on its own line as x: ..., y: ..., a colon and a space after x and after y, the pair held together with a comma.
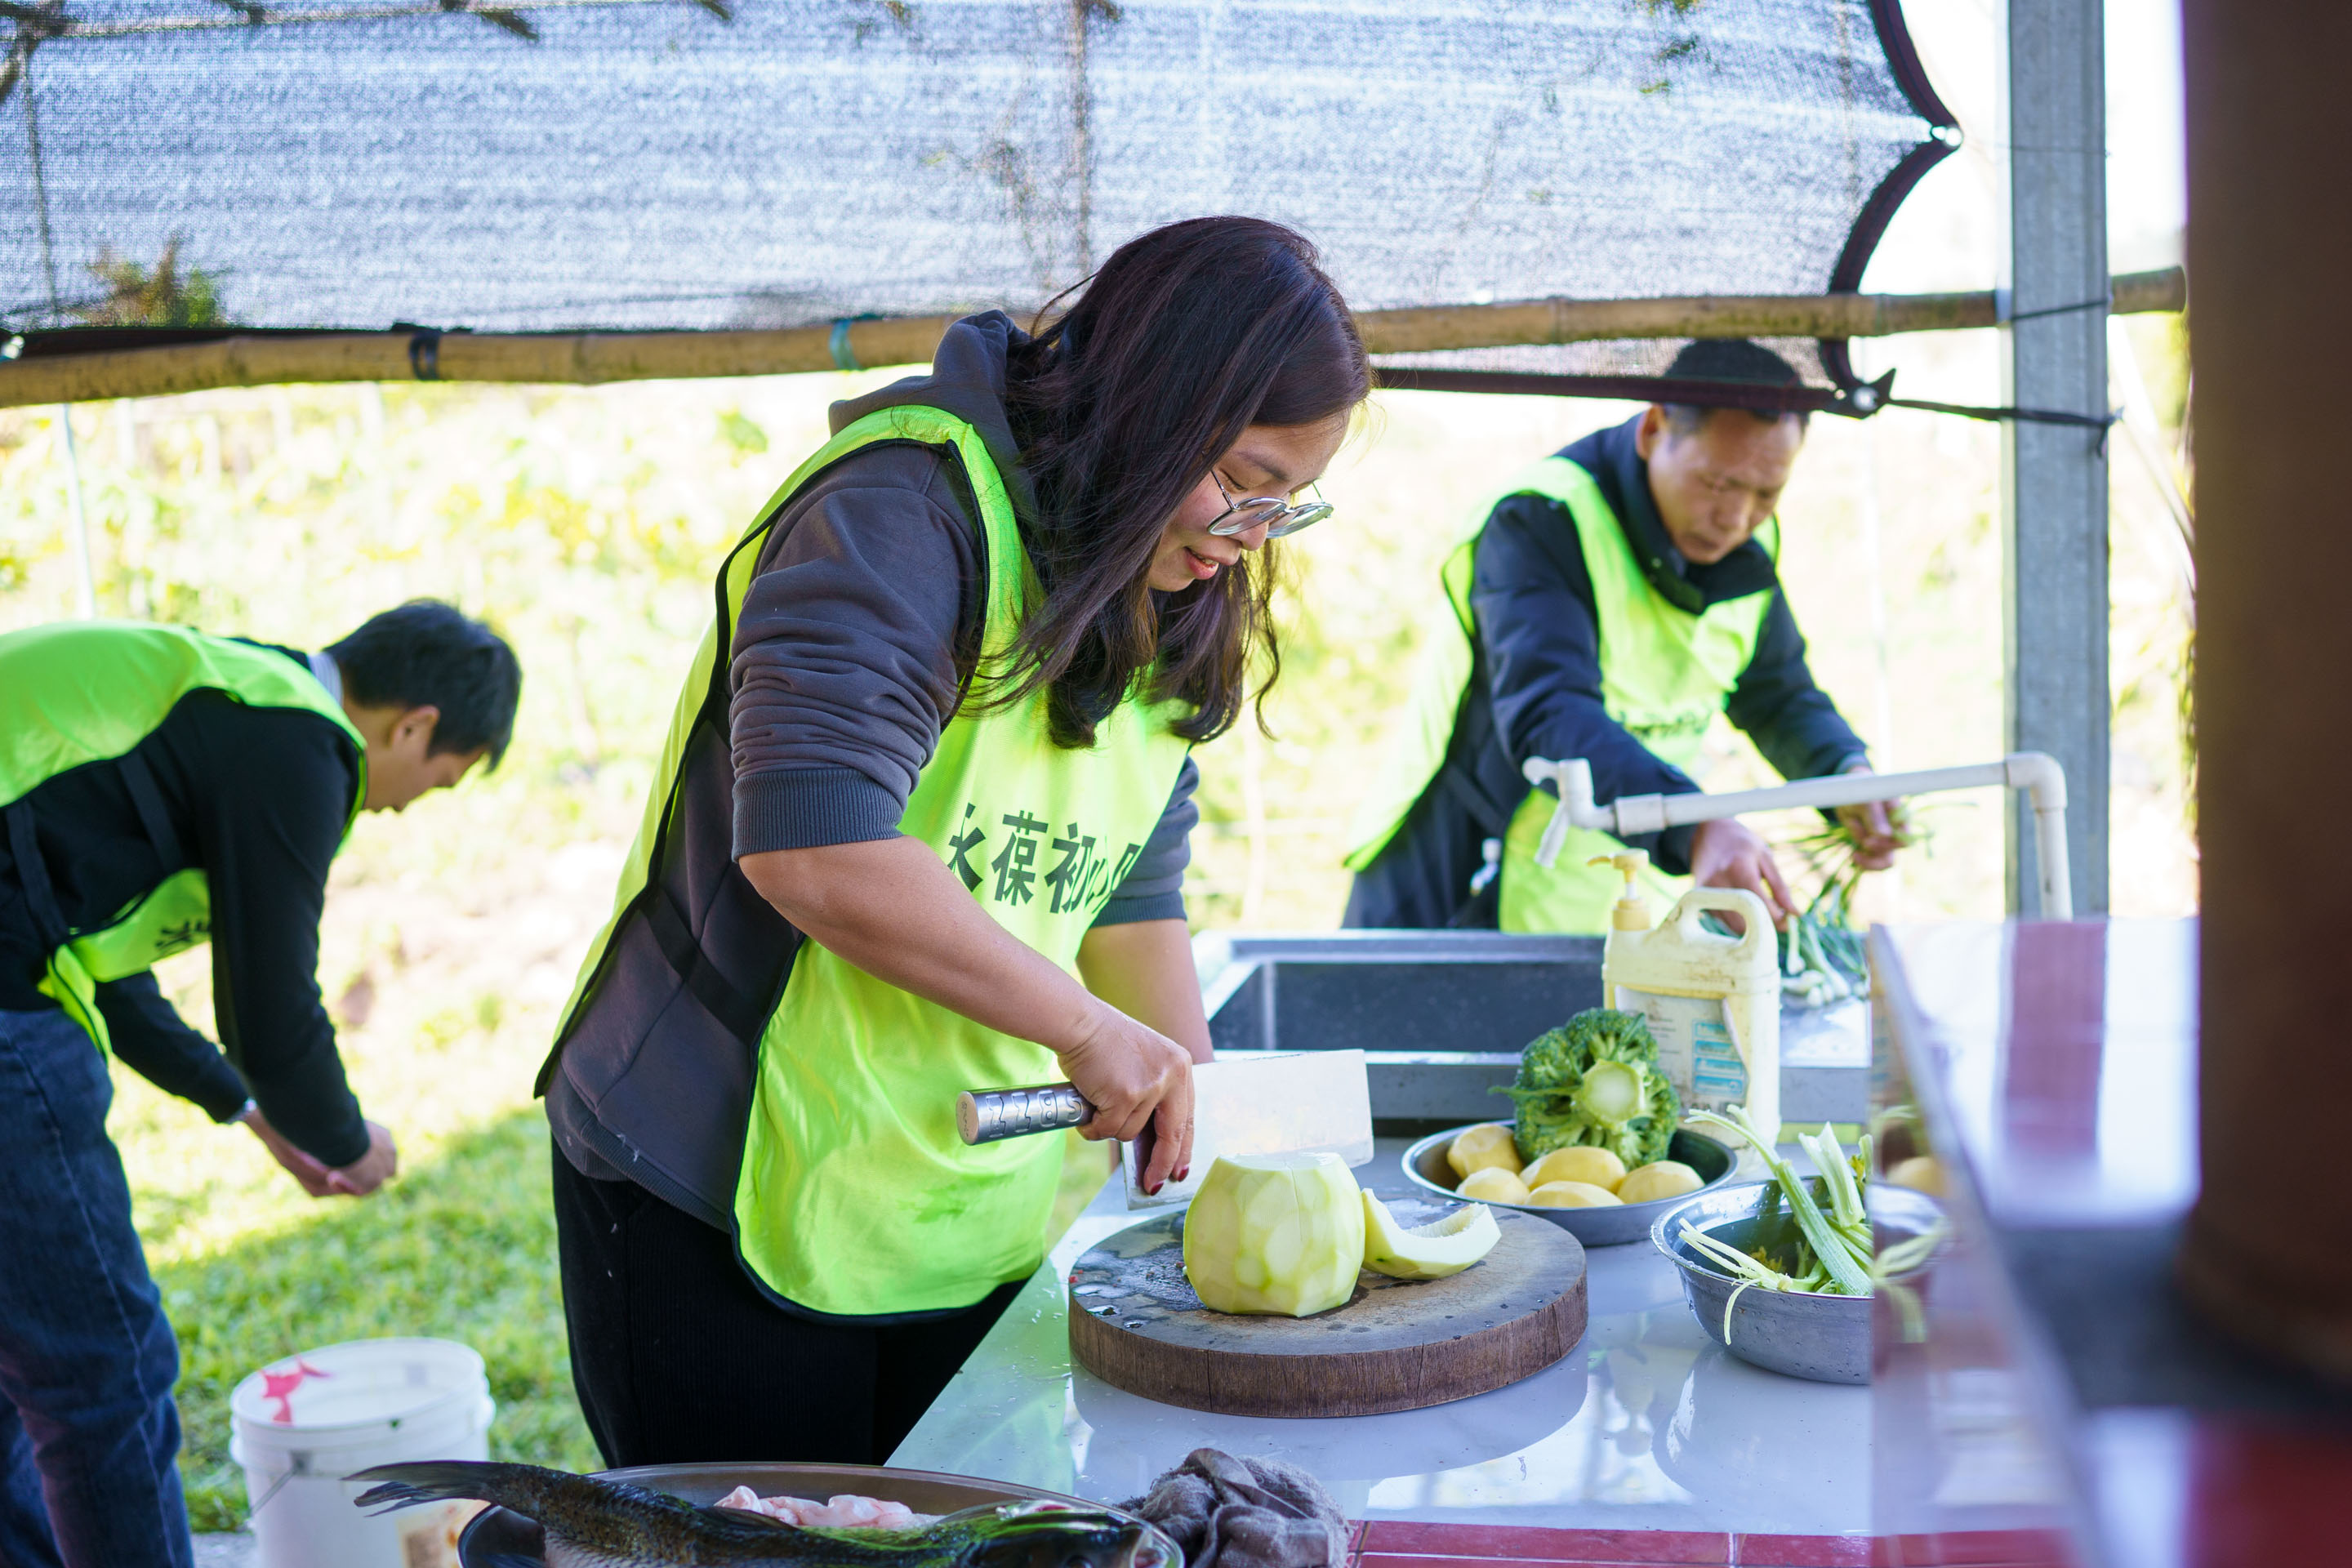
x: 1442, y: 1016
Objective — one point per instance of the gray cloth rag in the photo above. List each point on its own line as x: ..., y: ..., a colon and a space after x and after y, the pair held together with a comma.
x: 1228, y: 1513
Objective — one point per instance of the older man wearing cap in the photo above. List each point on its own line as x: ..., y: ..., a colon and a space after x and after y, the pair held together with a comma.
x: 1611, y: 603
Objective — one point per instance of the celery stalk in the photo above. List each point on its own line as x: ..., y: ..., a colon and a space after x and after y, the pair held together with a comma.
x: 1834, y: 1250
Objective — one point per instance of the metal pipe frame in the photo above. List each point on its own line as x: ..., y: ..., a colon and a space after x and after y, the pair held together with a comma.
x: 2053, y: 477
x: 2035, y: 776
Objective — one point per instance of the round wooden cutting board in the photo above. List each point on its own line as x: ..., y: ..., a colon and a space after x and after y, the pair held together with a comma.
x: 1395, y: 1346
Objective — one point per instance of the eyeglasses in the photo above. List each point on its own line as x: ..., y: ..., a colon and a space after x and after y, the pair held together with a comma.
x: 1279, y: 516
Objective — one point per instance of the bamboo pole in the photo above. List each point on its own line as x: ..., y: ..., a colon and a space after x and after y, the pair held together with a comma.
x: 1722, y: 316
x: 590, y: 358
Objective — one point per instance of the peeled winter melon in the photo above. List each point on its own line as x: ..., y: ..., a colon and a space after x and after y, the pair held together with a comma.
x: 1598, y: 1167
x: 1429, y: 1251
x: 1658, y: 1179
x: 1484, y: 1147
x: 1275, y: 1233
x: 1493, y: 1185
x: 1573, y: 1195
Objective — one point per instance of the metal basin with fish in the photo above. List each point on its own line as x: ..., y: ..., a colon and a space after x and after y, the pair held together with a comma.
x: 500, y: 1538
x: 1612, y: 1225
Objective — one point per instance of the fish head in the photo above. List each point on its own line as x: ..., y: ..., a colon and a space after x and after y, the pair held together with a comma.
x: 1056, y: 1535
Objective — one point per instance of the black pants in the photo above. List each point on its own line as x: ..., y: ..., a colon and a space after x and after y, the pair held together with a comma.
x: 677, y: 1357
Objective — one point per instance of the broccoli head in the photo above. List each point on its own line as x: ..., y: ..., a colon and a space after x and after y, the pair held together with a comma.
x: 1595, y: 1080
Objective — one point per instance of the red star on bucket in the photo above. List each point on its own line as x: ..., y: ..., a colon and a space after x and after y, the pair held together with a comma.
x: 280, y: 1386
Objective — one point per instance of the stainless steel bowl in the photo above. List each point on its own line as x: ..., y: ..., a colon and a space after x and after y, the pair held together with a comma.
x: 1823, y: 1338
x: 1425, y: 1167
x: 508, y: 1540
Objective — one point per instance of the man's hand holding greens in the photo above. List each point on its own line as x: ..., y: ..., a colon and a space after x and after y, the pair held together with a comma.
x: 1872, y: 828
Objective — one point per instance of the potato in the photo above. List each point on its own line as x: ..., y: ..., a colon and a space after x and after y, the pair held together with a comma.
x: 1484, y: 1147
x: 1494, y: 1184
x: 1921, y: 1174
x: 1659, y: 1179
x: 1573, y: 1195
x: 1600, y: 1167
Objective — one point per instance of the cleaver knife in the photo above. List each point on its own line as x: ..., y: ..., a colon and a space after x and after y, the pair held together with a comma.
x: 1244, y: 1102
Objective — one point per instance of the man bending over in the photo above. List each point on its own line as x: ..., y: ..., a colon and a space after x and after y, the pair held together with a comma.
x: 162, y: 787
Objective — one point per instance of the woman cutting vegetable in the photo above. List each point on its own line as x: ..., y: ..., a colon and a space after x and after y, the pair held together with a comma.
x: 932, y: 755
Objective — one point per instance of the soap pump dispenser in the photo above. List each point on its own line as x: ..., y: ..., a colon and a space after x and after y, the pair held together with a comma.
x: 1632, y: 910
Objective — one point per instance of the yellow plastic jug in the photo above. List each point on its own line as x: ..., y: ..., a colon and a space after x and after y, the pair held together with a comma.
x: 1712, y: 1001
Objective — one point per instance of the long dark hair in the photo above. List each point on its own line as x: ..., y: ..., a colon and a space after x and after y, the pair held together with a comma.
x: 1188, y: 336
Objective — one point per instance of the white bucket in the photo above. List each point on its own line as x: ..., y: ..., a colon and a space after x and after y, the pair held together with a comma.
x: 302, y: 1425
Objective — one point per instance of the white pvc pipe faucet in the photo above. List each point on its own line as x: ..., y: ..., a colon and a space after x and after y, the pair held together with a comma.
x: 2036, y: 773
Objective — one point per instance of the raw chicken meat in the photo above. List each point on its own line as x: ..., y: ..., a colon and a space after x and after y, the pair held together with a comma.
x: 847, y: 1511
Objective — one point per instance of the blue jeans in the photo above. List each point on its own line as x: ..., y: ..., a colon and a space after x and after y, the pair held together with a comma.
x: 88, y: 1429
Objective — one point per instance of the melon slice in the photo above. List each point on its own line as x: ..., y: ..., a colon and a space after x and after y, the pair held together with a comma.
x: 1275, y: 1233
x: 1429, y: 1251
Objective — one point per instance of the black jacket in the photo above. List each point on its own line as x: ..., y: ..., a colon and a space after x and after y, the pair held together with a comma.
x: 259, y: 798
x: 1535, y: 691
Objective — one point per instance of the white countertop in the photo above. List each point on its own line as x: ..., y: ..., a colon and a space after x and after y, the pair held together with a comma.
x: 1647, y: 1425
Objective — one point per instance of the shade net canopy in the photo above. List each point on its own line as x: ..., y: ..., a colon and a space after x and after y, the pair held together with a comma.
x: 632, y: 164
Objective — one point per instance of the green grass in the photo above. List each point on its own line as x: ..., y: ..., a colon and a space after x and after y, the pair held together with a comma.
x: 462, y: 1249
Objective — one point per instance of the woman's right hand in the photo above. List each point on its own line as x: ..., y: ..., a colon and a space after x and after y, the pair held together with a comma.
x: 1134, y: 1076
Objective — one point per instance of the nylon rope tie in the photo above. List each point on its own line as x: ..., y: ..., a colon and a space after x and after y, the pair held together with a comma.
x: 843, y: 357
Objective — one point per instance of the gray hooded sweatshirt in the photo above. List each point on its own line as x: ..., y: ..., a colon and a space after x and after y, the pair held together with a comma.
x: 857, y: 633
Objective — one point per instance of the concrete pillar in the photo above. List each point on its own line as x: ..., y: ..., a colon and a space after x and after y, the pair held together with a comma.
x: 2268, y: 1252
x: 2054, y: 477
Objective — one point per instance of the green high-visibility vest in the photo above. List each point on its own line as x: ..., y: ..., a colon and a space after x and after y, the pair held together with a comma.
x: 1665, y: 673
x: 855, y: 1196
x: 79, y: 692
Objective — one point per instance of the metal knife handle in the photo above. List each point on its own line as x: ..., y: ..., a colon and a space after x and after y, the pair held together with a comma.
x: 986, y: 1115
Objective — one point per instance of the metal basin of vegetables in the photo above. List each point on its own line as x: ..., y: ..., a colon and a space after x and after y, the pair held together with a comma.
x: 1425, y: 1166
x: 498, y: 1539
x: 1821, y: 1337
